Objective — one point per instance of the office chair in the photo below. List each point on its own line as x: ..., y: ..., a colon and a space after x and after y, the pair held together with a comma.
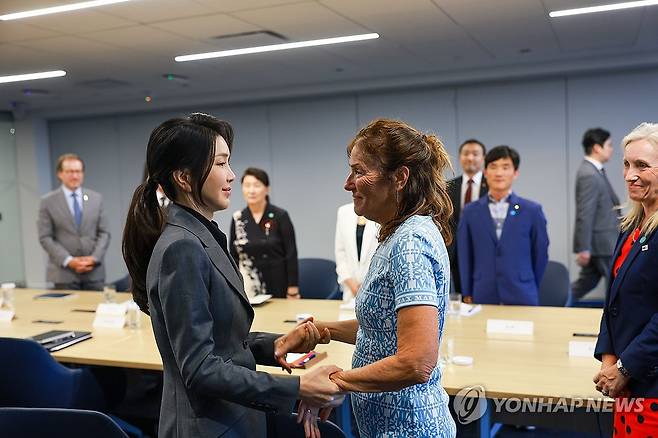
x: 555, y: 288
x: 33, y: 379
x: 318, y: 279
x: 57, y: 423
x: 122, y: 284
x: 283, y: 426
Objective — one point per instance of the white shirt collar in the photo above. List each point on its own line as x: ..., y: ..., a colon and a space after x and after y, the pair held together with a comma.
x: 597, y: 164
x: 68, y: 192
x: 503, y: 200
x: 477, y: 178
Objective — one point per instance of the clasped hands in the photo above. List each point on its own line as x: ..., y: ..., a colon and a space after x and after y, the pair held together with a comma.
x: 82, y: 264
x: 319, y: 395
x: 609, y: 381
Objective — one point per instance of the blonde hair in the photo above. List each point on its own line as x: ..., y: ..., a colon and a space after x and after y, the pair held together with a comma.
x: 392, y: 144
x: 632, y: 219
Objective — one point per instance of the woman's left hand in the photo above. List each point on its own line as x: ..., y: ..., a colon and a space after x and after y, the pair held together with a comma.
x: 301, y: 339
x: 308, y: 415
x: 610, y: 382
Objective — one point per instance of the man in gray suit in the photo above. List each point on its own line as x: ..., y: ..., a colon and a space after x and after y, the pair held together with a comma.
x: 597, y: 223
x: 73, y: 230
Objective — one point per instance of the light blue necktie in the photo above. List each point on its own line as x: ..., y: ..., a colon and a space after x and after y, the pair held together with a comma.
x: 77, y: 212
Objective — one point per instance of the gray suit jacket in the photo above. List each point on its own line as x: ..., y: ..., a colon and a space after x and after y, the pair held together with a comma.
x: 201, y: 318
x: 597, y: 223
x: 60, y: 237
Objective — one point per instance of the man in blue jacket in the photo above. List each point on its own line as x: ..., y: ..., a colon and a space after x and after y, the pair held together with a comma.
x: 502, y: 239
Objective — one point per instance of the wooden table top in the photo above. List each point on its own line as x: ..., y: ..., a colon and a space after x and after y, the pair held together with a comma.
x: 505, y: 365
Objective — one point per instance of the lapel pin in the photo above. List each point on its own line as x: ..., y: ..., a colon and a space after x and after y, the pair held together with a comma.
x: 645, y: 247
x: 643, y: 239
x: 85, y: 197
x: 270, y: 215
x: 513, y: 213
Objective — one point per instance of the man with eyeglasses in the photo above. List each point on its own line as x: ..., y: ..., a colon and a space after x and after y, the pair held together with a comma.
x: 73, y: 230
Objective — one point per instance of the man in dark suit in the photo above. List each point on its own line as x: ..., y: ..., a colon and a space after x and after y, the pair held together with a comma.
x: 597, y: 208
x: 502, y: 239
x: 462, y: 190
x: 73, y: 230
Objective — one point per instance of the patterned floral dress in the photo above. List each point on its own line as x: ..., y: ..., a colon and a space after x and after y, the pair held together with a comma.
x: 410, y: 268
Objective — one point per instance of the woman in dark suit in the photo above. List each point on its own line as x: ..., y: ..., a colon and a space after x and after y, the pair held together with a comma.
x: 184, y: 277
x: 628, y: 340
x: 263, y: 241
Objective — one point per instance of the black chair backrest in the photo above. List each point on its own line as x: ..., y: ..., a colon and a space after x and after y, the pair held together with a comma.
x: 283, y: 426
x: 122, y: 284
x: 32, y: 378
x: 56, y: 423
x: 555, y: 288
x: 318, y: 279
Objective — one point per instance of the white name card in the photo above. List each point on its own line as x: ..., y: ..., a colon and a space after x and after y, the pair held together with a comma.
x: 6, y: 315
x: 581, y: 348
x: 510, y: 327
x: 109, y: 315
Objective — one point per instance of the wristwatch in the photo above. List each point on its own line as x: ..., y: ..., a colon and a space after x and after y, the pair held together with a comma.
x: 623, y: 371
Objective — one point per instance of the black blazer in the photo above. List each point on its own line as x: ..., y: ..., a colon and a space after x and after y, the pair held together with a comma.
x: 201, y: 318
x: 455, y: 193
x: 629, y: 326
x: 266, y: 250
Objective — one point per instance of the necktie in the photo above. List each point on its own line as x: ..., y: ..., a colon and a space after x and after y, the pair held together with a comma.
x: 469, y: 191
x: 613, y: 195
x: 77, y: 212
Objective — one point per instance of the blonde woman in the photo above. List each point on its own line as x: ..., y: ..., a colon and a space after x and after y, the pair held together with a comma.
x: 628, y: 340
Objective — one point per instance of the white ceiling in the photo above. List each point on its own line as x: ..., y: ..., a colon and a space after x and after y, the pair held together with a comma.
x: 437, y: 40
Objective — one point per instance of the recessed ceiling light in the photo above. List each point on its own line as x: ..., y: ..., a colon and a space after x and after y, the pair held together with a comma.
x: 32, y: 76
x: 603, y: 8
x: 57, y: 9
x: 277, y: 47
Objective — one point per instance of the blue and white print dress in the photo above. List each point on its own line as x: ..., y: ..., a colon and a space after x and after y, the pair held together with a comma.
x: 410, y: 268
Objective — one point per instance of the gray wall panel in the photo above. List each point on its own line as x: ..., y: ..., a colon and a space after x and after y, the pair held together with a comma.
x: 427, y: 110
x: 309, y: 166
x: 530, y: 118
x: 301, y: 143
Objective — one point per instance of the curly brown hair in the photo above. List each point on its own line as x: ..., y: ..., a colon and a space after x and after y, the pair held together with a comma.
x: 393, y: 144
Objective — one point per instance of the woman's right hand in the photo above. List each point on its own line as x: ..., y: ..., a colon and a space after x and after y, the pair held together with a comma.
x: 315, y: 387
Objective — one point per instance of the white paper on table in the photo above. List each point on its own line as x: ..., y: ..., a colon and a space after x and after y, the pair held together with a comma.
x: 510, y: 327
x: 110, y: 315
x: 469, y: 309
x: 259, y: 299
x: 6, y: 315
x: 581, y: 348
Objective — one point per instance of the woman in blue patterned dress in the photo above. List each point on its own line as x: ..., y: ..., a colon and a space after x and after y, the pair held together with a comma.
x: 396, y: 180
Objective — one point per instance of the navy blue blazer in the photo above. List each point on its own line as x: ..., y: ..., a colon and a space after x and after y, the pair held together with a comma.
x: 629, y: 326
x: 505, y: 271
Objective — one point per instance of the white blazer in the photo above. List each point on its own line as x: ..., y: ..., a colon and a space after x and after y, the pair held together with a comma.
x: 348, y: 264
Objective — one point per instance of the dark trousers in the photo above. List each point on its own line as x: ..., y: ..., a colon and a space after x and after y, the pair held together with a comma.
x: 598, y: 267
x: 81, y: 285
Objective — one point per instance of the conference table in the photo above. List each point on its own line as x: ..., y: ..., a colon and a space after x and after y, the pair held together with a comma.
x: 506, y: 366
